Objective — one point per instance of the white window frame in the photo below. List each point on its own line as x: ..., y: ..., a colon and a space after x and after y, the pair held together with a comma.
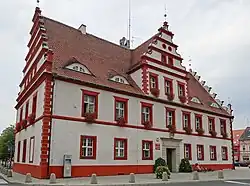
x: 31, y: 150
x: 120, y: 109
x: 185, y: 120
x: 152, y: 82
x: 146, y: 113
x: 197, y: 122
x: 224, y: 153
x: 212, y: 153
x: 89, y: 103
x: 180, y: 90
x: 170, y: 117
x: 199, y: 150
x: 146, y: 148
x: 186, y: 151
x: 168, y: 87
x: 119, y: 148
x: 89, y: 148
x: 210, y: 124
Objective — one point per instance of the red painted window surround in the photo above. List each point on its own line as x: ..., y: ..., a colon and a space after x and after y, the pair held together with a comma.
x: 181, y: 86
x: 170, y: 61
x: 125, y: 102
x: 223, y: 127
x: 213, y: 153
x: 150, y: 107
x: 224, y: 150
x: 147, y: 150
x: 188, y: 151
x: 32, y: 149
x: 24, y: 150
x: 27, y: 110
x: 21, y: 114
x: 34, y: 104
x: 169, y: 91
x: 198, y: 116
x: 28, y: 76
x: 163, y: 58
x: 155, y: 77
x: 212, y: 119
x: 18, y: 151
x: 200, y: 152
x: 89, y: 146
x: 170, y: 112
x: 95, y: 95
x: 124, y: 148
x: 188, y: 115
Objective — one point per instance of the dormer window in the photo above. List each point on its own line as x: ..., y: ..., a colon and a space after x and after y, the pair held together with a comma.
x: 195, y: 100
x: 119, y: 79
x: 214, y: 105
x: 78, y: 67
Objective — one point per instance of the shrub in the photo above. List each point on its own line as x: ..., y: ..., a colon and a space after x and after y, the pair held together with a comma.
x: 185, y: 165
x: 159, y: 171
x: 159, y: 162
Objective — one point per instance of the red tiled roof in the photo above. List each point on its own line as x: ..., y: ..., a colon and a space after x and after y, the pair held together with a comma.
x: 105, y: 59
x: 236, y: 135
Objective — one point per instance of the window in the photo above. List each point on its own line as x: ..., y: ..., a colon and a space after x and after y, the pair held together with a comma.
x: 181, y: 89
x: 147, y: 150
x: 163, y: 58
x: 245, y: 158
x: 198, y: 121
x: 224, y: 153
x: 211, y: 124
x: 223, y: 126
x: 168, y: 86
x: 146, y: 112
x: 89, y: 102
x: 88, y: 147
x: 170, y: 61
x: 121, y: 108
x: 119, y: 80
x: 213, y: 155
x: 196, y: 100
x: 34, y: 104
x: 153, y: 80
x: 120, y: 148
x: 200, y: 152
x: 187, y: 151
x: 243, y: 147
x: 24, y: 151
x: 27, y: 110
x: 170, y: 117
x: 31, y: 149
x: 186, y: 119
x: 18, y: 151
x: 21, y: 114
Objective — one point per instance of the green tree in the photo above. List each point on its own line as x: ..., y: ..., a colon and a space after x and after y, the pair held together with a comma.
x: 7, y: 143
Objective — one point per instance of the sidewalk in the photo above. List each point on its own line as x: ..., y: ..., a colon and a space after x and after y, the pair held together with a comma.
x: 141, y: 179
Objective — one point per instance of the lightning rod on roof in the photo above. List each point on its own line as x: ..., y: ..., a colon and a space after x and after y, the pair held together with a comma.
x: 37, y: 1
x: 129, y: 21
x: 165, y: 15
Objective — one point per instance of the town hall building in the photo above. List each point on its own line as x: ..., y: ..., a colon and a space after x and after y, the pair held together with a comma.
x: 87, y: 105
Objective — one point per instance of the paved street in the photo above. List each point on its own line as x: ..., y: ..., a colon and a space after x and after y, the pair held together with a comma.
x: 214, y: 183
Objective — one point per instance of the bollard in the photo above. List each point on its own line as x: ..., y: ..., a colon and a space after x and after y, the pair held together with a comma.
x: 195, y: 175
x: 9, y: 174
x: 52, y: 178
x: 165, y: 176
x: 93, y: 179
x: 220, y: 174
x: 28, y: 178
x: 132, y: 178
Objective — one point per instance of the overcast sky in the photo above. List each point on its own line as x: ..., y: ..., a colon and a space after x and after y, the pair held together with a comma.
x: 215, y: 34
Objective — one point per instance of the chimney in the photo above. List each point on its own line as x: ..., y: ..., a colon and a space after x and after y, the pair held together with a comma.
x: 82, y: 28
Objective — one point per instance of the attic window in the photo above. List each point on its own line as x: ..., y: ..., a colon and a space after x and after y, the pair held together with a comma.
x: 79, y: 68
x: 119, y: 79
x: 214, y: 105
x: 195, y: 100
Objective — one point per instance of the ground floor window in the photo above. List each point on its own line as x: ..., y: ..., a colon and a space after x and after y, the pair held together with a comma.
x: 147, y: 150
x: 213, y: 155
x: 187, y: 151
x: 224, y: 153
x: 200, y: 152
x: 120, y: 148
x: 88, y: 147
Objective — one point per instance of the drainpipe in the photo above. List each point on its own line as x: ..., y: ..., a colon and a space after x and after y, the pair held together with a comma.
x: 50, y: 129
x: 232, y: 141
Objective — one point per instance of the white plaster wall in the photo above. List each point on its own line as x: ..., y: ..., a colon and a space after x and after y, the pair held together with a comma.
x: 66, y: 140
x: 34, y: 130
x: 68, y: 132
x: 40, y: 101
x: 137, y: 77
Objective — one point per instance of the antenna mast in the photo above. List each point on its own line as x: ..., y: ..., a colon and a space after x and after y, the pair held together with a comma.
x: 37, y: 1
x: 129, y: 22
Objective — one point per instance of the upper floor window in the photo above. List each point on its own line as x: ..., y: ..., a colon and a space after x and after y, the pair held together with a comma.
x: 181, y: 89
x: 198, y: 121
x: 146, y: 113
x: 90, y: 103
x: 186, y: 119
x: 164, y: 58
x: 147, y: 150
x: 168, y: 86
x: 88, y: 147
x: 211, y: 124
x: 153, y: 81
x: 223, y: 126
x: 170, y: 117
x: 121, y: 108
